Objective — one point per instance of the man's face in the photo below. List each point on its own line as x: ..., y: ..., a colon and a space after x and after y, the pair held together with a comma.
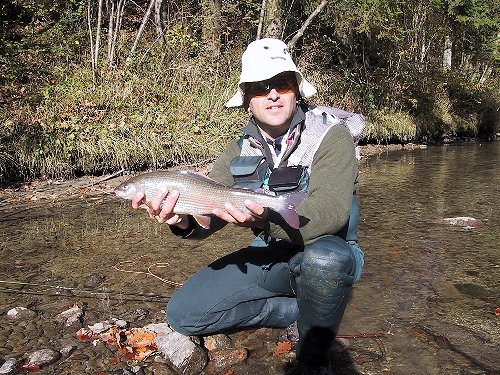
x: 273, y: 102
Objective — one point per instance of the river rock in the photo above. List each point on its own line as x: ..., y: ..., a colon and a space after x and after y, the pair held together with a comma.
x: 138, y: 314
x: 465, y: 222
x: 219, y: 341
x: 20, y: 313
x: 43, y: 357
x: 99, y: 327
x: 71, y: 316
x: 67, y: 350
x: 182, y: 355
x: 158, y: 328
x: 93, y: 280
x: 9, y: 366
x: 221, y: 359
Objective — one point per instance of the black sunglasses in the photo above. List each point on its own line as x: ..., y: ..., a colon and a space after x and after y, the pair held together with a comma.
x: 282, y: 85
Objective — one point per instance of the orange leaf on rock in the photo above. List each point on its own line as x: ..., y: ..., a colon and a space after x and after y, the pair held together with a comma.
x: 84, y: 334
x: 138, y: 338
x: 282, y: 347
x: 497, y: 311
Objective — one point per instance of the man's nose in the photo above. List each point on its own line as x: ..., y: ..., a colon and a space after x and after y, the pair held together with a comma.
x: 273, y: 94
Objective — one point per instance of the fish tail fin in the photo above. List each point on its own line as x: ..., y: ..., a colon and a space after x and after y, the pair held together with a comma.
x: 287, y: 210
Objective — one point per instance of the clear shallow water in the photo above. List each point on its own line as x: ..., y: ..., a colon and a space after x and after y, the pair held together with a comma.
x: 422, y: 280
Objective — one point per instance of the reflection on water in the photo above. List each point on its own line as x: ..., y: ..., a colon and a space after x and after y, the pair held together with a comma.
x: 403, y: 195
x: 412, y: 266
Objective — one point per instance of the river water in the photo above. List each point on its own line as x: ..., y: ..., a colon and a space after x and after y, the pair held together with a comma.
x: 429, y: 290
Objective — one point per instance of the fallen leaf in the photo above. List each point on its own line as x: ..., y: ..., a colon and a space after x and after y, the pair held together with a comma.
x: 138, y: 338
x: 419, y: 334
x: 497, y: 311
x: 84, y: 334
x: 115, y: 361
x: 282, y: 347
x: 30, y: 367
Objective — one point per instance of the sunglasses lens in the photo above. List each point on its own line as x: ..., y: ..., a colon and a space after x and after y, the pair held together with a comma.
x: 282, y: 86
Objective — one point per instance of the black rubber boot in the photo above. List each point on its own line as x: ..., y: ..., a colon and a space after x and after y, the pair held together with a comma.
x: 323, y: 285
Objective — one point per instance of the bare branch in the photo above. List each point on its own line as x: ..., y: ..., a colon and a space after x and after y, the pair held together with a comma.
x: 141, y: 30
x: 299, y: 33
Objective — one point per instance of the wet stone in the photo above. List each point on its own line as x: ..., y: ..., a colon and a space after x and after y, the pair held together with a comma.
x: 219, y: 341
x: 473, y: 345
x: 9, y: 366
x: 94, y: 280
x: 43, y: 357
x: 159, y: 368
x: 50, y: 331
x: 16, y: 337
x: 138, y: 314
x: 221, y: 359
x: 259, y: 352
x: 67, y: 350
x: 70, y: 317
x: 20, y: 314
x: 3, y: 337
x: 79, y: 356
x: 182, y: 354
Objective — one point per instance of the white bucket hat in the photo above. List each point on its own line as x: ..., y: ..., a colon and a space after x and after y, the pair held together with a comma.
x: 262, y: 60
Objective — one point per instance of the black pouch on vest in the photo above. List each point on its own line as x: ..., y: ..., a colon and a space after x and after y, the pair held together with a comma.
x: 285, y: 178
x: 248, y: 171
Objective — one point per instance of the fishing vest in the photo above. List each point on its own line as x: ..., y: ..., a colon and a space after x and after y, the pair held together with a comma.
x: 252, y: 169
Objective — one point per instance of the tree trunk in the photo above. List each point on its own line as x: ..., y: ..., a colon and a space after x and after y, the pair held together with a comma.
x: 159, y: 22
x: 273, y: 19
x: 261, y: 19
x: 211, y: 10
x: 91, y: 39
x: 111, y: 25
x: 447, y: 54
x: 116, y: 30
x: 98, y: 33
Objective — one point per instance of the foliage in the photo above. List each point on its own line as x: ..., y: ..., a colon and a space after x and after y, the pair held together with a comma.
x: 389, y: 126
x: 164, y: 107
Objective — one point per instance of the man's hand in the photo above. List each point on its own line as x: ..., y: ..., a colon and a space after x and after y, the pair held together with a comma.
x: 256, y: 219
x: 161, y: 208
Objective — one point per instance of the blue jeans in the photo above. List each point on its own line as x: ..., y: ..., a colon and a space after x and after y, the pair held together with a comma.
x: 270, y: 285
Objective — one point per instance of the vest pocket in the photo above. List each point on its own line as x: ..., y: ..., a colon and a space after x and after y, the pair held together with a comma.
x: 249, y: 171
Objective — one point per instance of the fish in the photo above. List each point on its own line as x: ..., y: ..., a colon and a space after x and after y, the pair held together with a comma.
x: 200, y: 195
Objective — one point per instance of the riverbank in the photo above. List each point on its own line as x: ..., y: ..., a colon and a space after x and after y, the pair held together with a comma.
x: 53, y: 190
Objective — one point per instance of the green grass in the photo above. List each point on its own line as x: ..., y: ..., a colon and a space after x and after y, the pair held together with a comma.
x: 386, y: 126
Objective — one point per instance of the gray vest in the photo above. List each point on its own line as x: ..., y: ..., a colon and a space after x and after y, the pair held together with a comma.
x: 250, y: 169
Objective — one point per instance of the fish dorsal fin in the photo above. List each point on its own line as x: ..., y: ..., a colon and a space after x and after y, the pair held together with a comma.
x: 201, y: 177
